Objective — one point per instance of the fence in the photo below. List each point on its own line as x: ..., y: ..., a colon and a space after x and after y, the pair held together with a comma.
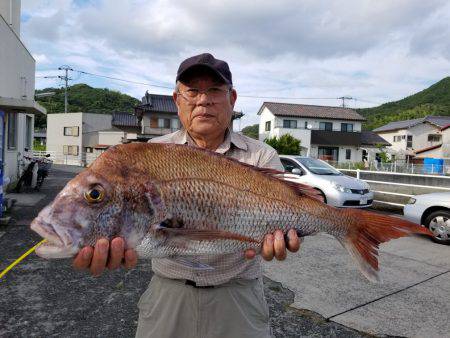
x: 394, y: 187
x: 83, y: 159
x: 407, y: 168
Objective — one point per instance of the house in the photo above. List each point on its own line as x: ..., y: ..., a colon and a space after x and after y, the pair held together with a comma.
x: 71, y: 135
x: 17, y: 104
x: 330, y: 133
x: 416, y: 137
x: 440, y: 150
x: 158, y: 115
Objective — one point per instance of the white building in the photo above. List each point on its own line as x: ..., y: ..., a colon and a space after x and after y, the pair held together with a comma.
x: 424, y: 137
x: 330, y: 133
x: 72, y: 137
x: 17, y: 72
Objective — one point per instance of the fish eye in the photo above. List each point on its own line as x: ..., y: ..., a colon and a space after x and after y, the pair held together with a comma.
x: 94, y: 195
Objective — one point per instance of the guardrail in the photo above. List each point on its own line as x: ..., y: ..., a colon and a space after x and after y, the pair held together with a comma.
x: 358, y: 175
x: 405, y: 168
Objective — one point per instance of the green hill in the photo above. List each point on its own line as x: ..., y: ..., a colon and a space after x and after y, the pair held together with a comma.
x: 83, y: 98
x: 434, y: 100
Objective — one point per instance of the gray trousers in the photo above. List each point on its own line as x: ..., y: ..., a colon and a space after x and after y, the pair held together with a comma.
x: 170, y: 308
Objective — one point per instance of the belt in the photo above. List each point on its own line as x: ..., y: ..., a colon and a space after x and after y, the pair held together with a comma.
x: 194, y: 284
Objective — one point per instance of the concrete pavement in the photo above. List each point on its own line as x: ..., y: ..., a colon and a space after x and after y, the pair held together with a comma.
x: 413, y: 300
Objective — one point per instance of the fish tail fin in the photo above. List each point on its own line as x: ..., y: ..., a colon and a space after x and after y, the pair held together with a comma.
x: 367, y: 230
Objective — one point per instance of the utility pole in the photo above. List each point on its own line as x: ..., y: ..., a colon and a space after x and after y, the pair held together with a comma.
x: 343, y: 98
x: 66, y: 79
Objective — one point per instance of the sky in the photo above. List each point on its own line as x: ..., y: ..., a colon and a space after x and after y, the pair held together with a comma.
x: 299, y: 51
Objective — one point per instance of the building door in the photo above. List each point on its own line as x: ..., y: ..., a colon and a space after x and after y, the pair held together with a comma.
x: 329, y: 153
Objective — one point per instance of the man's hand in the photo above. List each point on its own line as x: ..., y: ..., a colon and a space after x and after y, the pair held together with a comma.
x: 274, y: 245
x: 104, y: 256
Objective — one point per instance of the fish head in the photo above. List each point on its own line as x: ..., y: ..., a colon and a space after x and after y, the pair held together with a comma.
x: 86, y: 209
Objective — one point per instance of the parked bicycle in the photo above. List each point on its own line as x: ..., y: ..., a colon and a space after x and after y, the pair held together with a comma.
x: 35, y: 172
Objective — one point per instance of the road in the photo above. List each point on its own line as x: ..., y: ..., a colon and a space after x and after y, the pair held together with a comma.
x: 312, y: 293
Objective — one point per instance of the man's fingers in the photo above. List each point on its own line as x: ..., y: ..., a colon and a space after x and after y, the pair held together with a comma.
x: 267, y: 248
x: 116, y: 253
x: 250, y: 253
x: 130, y: 258
x: 100, y: 257
x: 293, y: 241
x: 279, y: 245
x: 83, y: 259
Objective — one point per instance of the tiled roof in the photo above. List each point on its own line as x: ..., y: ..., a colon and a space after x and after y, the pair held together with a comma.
x: 124, y: 120
x: 439, y: 121
x: 428, y: 148
x: 371, y: 138
x: 304, y: 110
x: 158, y: 103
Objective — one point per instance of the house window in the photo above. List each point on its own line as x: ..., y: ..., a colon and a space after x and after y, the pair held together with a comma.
x: 71, y: 131
x: 434, y: 138
x: 164, y: 123
x: 306, y: 124
x: 29, y: 131
x: 267, y: 126
x: 12, y: 130
x: 290, y: 124
x: 326, y: 126
x: 175, y: 124
x: 347, y: 127
x: 348, y: 154
x: 70, y: 150
x: 89, y: 149
x: 409, y: 141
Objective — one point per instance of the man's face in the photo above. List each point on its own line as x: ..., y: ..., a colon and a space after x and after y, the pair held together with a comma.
x: 204, y: 115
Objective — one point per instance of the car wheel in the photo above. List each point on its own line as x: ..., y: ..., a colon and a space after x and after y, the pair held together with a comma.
x: 323, y: 195
x: 439, y: 224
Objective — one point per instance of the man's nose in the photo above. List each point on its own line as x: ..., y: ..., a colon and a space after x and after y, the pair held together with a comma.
x: 203, y: 99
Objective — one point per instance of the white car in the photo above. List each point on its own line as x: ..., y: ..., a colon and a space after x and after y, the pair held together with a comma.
x: 337, y: 189
x: 433, y: 211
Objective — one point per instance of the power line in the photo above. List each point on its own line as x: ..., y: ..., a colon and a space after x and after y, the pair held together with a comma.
x: 343, y: 98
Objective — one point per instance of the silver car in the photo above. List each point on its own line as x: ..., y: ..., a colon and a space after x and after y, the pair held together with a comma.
x: 337, y: 189
x: 433, y: 211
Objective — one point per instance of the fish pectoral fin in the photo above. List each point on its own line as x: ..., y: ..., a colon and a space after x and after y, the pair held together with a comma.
x: 193, y: 263
x: 209, y: 234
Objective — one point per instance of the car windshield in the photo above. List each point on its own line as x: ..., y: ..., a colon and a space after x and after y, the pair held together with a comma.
x: 318, y: 167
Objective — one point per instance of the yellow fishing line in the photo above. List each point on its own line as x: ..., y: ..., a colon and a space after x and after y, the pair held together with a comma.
x: 18, y: 260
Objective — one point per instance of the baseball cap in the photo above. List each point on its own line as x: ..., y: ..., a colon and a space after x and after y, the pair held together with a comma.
x: 218, y: 67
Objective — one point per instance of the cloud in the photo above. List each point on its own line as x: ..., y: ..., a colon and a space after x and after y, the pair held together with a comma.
x: 375, y: 51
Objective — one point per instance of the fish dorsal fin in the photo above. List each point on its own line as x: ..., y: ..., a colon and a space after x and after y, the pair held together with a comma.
x: 299, y: 188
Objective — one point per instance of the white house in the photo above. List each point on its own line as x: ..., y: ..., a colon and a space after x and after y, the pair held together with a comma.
x: 17, y: 72
x: 417, y: 137
x: 331, y: 133
x: 71, y: 136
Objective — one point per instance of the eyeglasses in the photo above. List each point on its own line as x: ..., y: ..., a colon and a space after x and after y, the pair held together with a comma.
x: 214, y: 93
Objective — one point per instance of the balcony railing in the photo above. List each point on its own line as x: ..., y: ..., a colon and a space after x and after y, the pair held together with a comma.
x: 303, y: 128
x: 158, y: 131
x: 327, y: 137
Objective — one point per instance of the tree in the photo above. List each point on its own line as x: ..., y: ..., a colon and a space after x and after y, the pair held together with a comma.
x: 251, y: 131
x: 286, y: 144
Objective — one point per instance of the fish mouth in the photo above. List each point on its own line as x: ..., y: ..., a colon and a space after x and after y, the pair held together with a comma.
x: 57, y: 245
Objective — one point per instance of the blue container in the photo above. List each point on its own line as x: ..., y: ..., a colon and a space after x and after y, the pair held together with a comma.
x: 433, y: 166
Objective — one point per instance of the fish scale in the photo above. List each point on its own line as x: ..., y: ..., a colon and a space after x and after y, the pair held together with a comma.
x: 177, y: 201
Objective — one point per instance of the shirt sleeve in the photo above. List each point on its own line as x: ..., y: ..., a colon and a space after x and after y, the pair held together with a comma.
x: 270, y: 159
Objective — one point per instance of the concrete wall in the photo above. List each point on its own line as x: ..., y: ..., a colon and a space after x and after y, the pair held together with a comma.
x: 110, y: 137
x: 55, y: 131
x: 10, y: 11
x: 17, y: 66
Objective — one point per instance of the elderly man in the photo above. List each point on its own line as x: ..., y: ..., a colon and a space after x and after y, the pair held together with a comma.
x: 182, y: 299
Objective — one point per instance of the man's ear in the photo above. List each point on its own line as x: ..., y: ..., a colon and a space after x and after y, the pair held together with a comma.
x: 233, y: 97
x: 175, y: 97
